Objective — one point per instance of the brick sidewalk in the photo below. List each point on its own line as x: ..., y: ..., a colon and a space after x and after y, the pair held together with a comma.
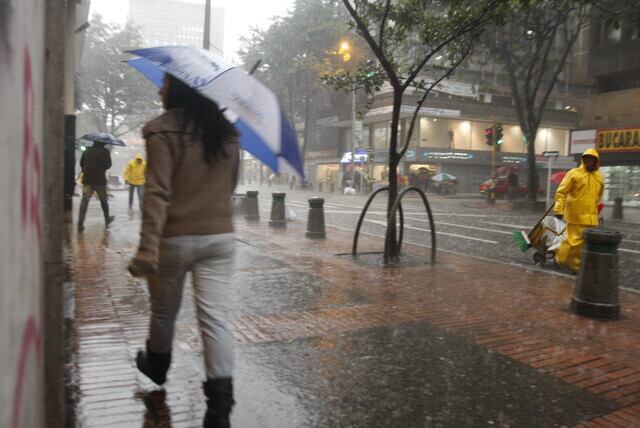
x: 291, y: 290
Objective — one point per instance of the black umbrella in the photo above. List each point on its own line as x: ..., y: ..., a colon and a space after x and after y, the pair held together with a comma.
x: 103, y: 137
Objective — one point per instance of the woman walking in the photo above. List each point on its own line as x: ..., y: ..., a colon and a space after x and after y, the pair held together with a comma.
x: 192, y: 167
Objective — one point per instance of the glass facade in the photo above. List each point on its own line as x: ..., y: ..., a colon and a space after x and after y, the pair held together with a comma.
x: 461, y: 134
x: 622, y: 182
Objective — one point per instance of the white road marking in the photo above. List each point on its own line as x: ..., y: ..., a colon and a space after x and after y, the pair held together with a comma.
x: 461, y: 226
x: 455, y: 235
x: 513, y: 226
x: 486, y: 259
x: 628, y: 251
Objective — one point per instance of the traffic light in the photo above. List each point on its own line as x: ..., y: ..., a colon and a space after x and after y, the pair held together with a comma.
x: 488, y: 136
x: 499, y: 139
x: 370, y: 68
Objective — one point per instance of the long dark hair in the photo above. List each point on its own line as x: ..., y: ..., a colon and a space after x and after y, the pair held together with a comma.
x: 203, y: 114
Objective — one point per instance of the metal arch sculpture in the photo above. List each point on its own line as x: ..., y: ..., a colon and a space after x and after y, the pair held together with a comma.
x: 395, y: 207
x: 354, y: 248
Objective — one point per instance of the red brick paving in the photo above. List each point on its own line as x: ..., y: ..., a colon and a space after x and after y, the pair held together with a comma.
x: 520, y: 314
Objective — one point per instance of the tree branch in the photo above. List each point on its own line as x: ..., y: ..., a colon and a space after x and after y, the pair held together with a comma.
x: 554, y: 79
x: 387, y: 8
x: 470, y: 26
x: 414, y: 118
x: 377, y: 50
x: 506, y: 55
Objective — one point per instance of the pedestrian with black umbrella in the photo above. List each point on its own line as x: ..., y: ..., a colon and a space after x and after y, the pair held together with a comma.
x: 95, y: 162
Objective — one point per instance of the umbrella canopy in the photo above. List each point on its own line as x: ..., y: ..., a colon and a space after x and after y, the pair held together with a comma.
x: 251, y: 106
x: 558, y: 177
x: 103, y: 137
x: 443, y: 176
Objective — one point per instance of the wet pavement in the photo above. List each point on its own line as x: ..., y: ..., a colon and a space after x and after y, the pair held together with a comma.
x: 324, y: 341
x: 464, y: 225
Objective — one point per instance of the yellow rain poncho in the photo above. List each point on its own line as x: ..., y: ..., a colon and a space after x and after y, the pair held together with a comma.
x: 577, y: 200
x: 134, y: 171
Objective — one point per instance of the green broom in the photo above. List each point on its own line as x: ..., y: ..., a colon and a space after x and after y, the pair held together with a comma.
x: 522, y: 241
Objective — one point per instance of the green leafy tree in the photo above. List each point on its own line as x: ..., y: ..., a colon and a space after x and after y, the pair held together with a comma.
x: 292, y: 52
x: 405, y: 37
x: 113, y: 97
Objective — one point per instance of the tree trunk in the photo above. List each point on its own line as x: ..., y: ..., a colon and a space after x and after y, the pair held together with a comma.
x: 391, y: 244
x: 533, y: 179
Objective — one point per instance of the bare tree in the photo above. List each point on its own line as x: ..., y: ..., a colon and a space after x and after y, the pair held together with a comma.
x: 534, y: 46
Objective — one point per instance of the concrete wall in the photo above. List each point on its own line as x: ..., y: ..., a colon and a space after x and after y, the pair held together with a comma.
x: 21, y: 231
x: 617, y: 109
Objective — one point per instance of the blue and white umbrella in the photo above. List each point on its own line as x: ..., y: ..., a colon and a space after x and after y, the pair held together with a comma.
x: 443, y: 177
x: 251, y: 106
x: 103, y: 137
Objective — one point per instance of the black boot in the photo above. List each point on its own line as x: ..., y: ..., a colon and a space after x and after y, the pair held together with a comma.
x: 154, y: 365
x: 219, y: 394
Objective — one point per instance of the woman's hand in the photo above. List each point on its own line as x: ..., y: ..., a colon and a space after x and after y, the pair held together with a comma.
x: 142, y: 267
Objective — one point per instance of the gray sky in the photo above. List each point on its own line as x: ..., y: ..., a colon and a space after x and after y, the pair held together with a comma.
x: 240, y: 16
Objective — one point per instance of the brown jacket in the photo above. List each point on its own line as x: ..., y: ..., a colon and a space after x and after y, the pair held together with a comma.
x: 183, y: 194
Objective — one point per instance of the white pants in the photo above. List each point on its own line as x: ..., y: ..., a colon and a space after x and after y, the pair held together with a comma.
x: 210, y: 259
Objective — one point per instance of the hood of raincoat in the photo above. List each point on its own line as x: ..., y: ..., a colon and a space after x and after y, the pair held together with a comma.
x: 579, y: 192
x: 134, y: 171
x: 595, y: 154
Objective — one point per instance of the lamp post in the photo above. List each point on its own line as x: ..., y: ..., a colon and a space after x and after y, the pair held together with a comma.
x: 346, y: 53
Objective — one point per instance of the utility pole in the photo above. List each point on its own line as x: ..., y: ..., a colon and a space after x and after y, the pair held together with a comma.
x: 353, y: 137
x: 494, y: 150
x: 207, y: 25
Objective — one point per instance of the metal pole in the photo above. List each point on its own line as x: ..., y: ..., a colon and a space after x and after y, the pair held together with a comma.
x: 493, y: 150
x: 353, y: 136
x: 549, y: 163
x: 207, y: 25
x: 494, y: 175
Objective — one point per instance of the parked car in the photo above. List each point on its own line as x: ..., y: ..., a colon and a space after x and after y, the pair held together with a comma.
x: 501, y: 188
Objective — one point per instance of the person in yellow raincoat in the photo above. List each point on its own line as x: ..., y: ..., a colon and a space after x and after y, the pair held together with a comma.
x: 134, y: 177
x: 577, y: 200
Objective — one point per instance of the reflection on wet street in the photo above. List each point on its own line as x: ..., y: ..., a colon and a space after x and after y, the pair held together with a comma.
x: 326, y: 342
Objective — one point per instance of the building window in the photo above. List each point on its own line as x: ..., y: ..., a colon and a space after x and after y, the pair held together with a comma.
x: 634, y: 24
x: 612, y: 33
x: 622, y: 182
x: 434, y: 132
x: 380, y: 135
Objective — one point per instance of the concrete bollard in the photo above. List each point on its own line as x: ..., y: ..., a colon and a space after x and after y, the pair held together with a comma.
x: 315, y: 220
x: 617, y: 209
x: 596, y: 292
x: 251, y: 206
x: 278, y: 211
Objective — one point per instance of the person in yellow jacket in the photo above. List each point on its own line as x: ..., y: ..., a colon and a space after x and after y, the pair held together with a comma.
x: 134, y: 177
x: 577, y: 200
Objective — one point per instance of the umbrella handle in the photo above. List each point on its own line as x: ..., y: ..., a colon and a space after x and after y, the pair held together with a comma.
x: 255, y: 66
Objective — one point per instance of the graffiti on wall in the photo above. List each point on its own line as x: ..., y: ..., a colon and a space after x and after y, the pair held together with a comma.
x: 31, y: 167
x: 31, y: 345
x: 31, y: 342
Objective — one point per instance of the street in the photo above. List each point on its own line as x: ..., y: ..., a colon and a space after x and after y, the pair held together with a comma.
x: 463, y: 226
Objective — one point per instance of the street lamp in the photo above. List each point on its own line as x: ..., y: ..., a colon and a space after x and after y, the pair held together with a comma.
x: 345, y: 51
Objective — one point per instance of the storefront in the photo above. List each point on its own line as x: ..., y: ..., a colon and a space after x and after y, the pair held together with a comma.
x: 619, y: 150
x: 323, y: 170
x: 620, y: 154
